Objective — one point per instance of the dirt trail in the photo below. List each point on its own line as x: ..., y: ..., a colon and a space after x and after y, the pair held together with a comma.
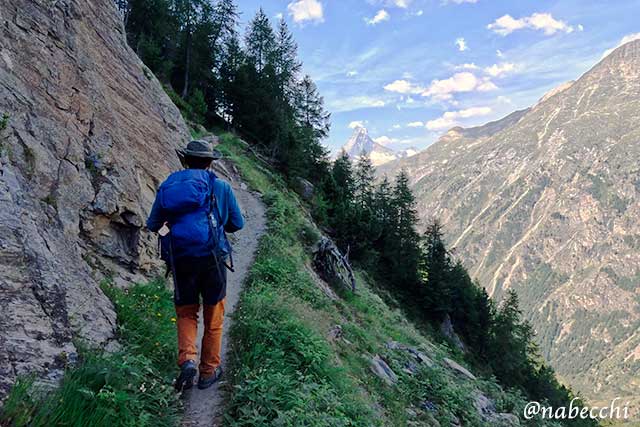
x: 203, y: 408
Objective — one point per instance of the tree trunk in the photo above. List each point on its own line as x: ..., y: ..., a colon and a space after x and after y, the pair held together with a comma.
x: 187, y: 66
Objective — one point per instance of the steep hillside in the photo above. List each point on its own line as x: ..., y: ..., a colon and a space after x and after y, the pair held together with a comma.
x: 308, y: 352
x: 547, y: 202
x: 90, y: 134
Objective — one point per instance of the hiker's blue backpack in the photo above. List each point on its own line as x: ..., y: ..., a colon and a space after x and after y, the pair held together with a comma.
x: 188, y: 200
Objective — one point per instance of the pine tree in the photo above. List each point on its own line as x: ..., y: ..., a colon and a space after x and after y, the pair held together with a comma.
x: 230, y: 64
x: 340, y: 192
x: 383, y: 223
x: 225, y: 53
x: 436, y: 265
x: 310, y: 112
x: 189, y: 13
x: 406, y: 240
x: 286, y: 62
x: 260, y: 42
x: 364, y: 176
x: 152, y: 31
x: 225, y: 21
x: 511, y: 345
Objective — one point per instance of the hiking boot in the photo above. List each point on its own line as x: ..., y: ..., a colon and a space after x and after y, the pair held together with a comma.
x: 208, y: 381
x: 187, y: 373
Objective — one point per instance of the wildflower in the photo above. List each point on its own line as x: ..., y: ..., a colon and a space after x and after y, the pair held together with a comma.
x: 143, y: 388
x: 173, y: 319
x: 159, y: 315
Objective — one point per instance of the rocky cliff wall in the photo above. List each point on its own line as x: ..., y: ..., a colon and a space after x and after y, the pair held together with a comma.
x: 90, y: 135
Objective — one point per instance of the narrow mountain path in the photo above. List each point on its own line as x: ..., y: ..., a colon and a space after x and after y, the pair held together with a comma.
x: 203, y: 408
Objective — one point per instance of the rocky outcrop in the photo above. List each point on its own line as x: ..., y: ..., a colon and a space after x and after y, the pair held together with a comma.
x: 456, y: 367
x: 446, y: 327
x: 304, y: 188
x: 90, y: 136
x: 382, y: 370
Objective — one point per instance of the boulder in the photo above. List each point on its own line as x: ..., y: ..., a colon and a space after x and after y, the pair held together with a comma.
x: 90, y: 136
x: 382, y: 370
x: 421, y: 357
x: 335, y: 332
x: 484, y: 405
x: 418, y: 355
x: 304, y: 188
x: 459, y: 368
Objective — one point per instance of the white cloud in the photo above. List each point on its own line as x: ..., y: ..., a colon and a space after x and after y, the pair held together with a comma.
x: 440, y: 123
x: 404, y: 87
x: 626, y: 39
x: 279, y: 16
x: 356, y: 124
x: 499, y: 53
x: 352, y: 73
x: 401, y: 3
x: 459, y: 82
x: 499, y: 70
x: 354, y: 103
x: 419, y: 13
x: 396, y: 127
x: 384, y: 140
x: 462, y: 44
x: 486, y: 86
x: 415, y: 124
x: 306, y: 10
x: 450, y: 118
x: 471, y: 66
x: 381, y: 16
x: 545, y: 22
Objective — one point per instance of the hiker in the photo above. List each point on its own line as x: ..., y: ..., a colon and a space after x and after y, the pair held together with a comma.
x: 192, y: 211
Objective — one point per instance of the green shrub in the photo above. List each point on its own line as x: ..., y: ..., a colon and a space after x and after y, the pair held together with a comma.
x: 198, y: 106
x: 4, y: 121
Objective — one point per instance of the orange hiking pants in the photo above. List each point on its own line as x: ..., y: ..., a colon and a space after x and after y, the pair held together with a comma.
x: 211, y: 345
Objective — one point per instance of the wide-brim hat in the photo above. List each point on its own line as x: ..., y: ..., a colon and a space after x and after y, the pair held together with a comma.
x: 199, y: 148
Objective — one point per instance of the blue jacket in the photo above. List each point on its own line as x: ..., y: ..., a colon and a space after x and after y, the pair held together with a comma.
x: 228, y: 209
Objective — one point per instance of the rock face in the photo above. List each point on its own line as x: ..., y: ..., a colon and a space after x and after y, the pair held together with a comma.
x: 547, y: 202
x: 90, y: 136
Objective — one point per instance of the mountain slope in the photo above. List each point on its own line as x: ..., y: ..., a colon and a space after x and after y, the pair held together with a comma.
x: 549, y: 205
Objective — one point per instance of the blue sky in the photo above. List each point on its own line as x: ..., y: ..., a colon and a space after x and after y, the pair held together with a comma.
x: 410, y: 69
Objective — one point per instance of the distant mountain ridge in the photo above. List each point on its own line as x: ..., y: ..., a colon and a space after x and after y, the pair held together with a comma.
x: 546, y: 201
x: 361, y: 143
